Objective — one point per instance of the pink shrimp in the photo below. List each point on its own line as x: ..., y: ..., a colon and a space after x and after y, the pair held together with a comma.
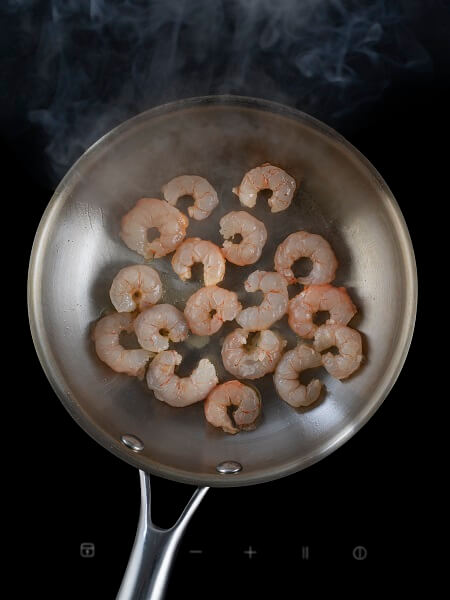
x: 205, y: 196
x: 265, y: 177
x: 302, y: 244
x: 195, y: 250
x: 209, y: 307
x: 244, y: 398
x: 148, y: 213
x: 315, y: 298
x: 287, y: 372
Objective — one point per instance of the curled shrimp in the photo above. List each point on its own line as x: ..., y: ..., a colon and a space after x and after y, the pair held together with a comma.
x: 205, y: 196
x: 209, y: 307
x: 273, y: 306
x: 265, y: 177
x: 148, y: 213
x: 253, y: 360
x: 254, y: 236
x: 155, y: 326
x: 180, y: 391
x: 302, y: 244
x: 109, y: 350
x: 315, y: 298
x: 135, y: 287
x: 233, y: 393
x: 347, y: 341
x: 287, y: 372
x: 195, y: 250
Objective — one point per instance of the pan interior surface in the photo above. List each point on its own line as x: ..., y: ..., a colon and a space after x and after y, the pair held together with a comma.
x: 78, y: 251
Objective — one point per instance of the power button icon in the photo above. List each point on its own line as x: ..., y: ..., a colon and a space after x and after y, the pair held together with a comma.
x: 87, y: 550
x: 359, y: 553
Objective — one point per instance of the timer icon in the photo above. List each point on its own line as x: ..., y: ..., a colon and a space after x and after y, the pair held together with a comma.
x: 87, y: 550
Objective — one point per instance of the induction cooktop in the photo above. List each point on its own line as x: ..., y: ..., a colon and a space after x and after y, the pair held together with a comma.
x: 348, y: 514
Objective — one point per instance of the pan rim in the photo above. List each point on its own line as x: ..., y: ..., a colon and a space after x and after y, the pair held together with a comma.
x: 215, y: 479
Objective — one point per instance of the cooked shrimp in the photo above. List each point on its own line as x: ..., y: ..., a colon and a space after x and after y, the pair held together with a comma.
x: 109, y: 350
x: 151, y: 212
x: 233, y: 393
x: 347, y: 341
x: 287, y: 372
x: 315, y: 298
x: 302, y: 244
x: 254, y: 360
x: 180, y: 391
x: 205, y: 196
x: 135, y: 287
x: 209, y: 307
x: 156, y: 325
x: 254, y: 236
x: 273, y: 306
x: 267, y: 177
x: 195, y: 250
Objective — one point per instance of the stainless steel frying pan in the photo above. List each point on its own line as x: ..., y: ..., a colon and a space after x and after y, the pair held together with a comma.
x: 77, y: 252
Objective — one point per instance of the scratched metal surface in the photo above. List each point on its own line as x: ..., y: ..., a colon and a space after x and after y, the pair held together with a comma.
x: 78, y: 251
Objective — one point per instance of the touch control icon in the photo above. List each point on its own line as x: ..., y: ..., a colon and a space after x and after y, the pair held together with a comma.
x: 87, y: 550
x: 250, y: 552
x: 359, y: 553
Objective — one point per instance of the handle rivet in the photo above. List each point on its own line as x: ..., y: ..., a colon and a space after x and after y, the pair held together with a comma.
x: 132, y: 442
x: 227, y: 467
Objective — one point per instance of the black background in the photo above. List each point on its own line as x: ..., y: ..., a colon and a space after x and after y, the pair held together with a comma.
x: 370, y: 492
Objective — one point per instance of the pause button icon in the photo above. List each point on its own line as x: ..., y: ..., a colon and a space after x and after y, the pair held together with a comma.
x: 305, y: 552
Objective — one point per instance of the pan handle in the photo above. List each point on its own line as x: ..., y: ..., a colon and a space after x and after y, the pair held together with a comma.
x: 154, y: 548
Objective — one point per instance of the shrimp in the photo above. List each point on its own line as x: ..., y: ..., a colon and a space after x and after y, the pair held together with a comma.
x: 209, y: 307
x: 264, y: 177
x: 205, y: 196
x: 180, y: 391
x: 195, y: 250
x: 315, y: 298
x: 151, y: 212
x: 233, y: 393
x: 273, y: 306
x: 135, y: 287
x: 347, y: 341
x: 106, y: 338
x: 302, y: 244
x: 286, y: 375
x: 254, y: 360
x: 155, y: 326
x: 254, y: 237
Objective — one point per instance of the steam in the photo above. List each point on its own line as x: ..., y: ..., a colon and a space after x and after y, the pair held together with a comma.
x: 95, y: 63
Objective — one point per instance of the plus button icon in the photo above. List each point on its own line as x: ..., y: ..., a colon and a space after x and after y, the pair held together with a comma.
x: 250, y: 552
